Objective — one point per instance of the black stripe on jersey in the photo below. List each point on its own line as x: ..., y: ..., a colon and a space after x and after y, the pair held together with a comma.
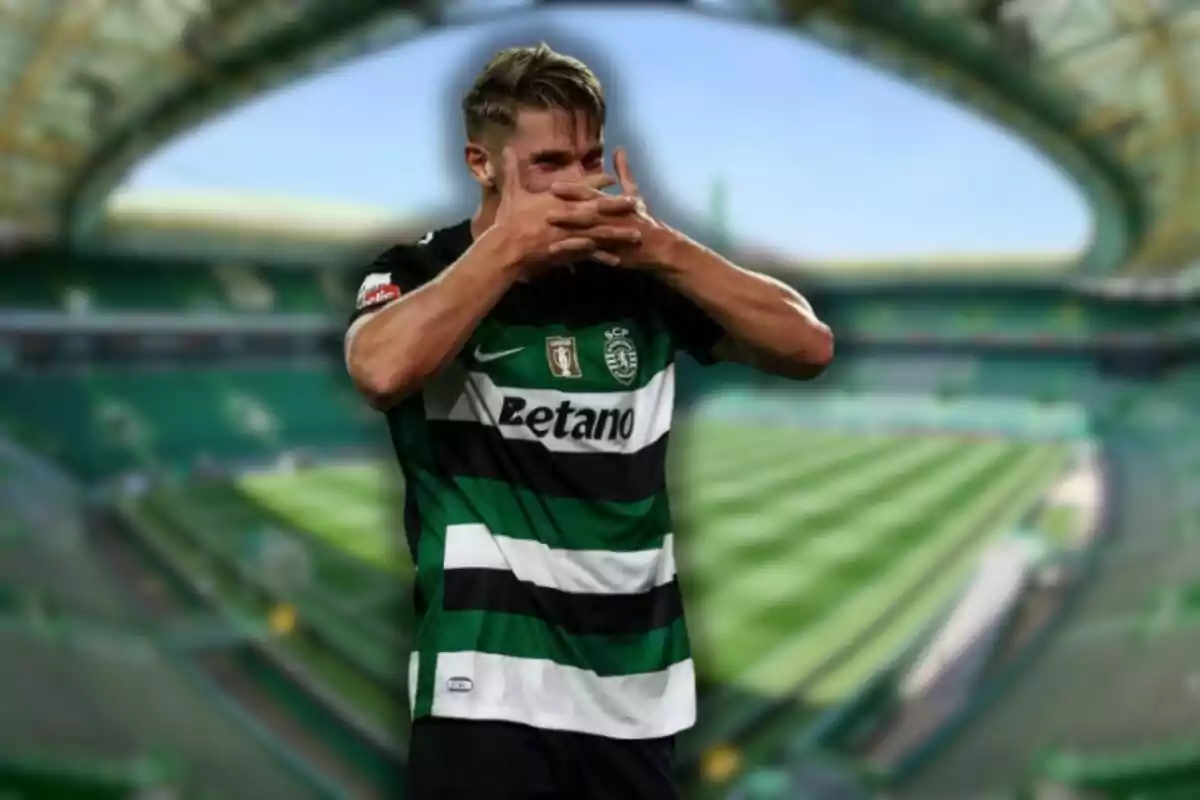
x: 577, y: 613
x: 471, y: 450
x: 588, y: 294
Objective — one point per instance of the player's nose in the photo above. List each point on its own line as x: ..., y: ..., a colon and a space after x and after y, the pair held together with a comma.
x: 574, y: 173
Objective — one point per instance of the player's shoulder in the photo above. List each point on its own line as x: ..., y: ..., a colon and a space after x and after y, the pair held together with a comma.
x: 412, y: 263
x: 429, y: 246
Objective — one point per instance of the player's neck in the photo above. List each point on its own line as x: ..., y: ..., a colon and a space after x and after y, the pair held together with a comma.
x: 485, y: 215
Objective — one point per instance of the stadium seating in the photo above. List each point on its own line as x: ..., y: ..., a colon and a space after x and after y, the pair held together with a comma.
x: 106, y: 421
x: 300, y: 290
x: 231, y: 532
x: 991, y: 315
x: 83, y: 604
x: 933, y: 317
x: 57, y: 414
x: 108, y: 697
x: 352, y: 661
x: 49, y: 567
x: 1118, y: 679
x: 1042, y: 379
x: 90, y: 779
x: 59, y: 282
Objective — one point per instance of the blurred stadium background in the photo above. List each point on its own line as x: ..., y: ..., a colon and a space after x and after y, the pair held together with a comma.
x: 965, y: 564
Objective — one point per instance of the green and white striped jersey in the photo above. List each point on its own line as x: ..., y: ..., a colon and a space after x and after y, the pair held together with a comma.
x: 536, y: 509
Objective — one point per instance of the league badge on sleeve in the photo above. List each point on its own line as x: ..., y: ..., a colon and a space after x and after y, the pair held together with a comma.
x: 377, y: 288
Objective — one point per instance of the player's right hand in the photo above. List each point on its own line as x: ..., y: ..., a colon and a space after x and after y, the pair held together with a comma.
x: 525, y: 216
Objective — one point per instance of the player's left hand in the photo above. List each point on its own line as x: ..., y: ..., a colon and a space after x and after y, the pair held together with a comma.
x: 645, y: 252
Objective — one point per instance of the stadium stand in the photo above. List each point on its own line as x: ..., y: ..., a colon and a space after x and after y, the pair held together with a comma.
x: 61, y: 282
x: 1107, y: 705
x: 135, y: 703
x: 251, y: 410
x: 95, y: 692
x: 105, y: 421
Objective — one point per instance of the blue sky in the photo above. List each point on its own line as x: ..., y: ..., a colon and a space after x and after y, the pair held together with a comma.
x: 822, y: 157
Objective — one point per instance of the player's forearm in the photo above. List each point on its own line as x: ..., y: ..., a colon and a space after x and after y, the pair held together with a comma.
x: 758, y: 312
x: 411, y: 340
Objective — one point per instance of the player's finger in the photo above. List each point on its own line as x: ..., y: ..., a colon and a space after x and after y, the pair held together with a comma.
x: 599, y: 181
x: 573, y: 244
x: 574, y: 191
x: 512, y: 172
x: 596, y: 200
x: 621, y: 164
x: 615, y: 206
x: 573, y: 218
x: 605, y: 257
x: 614, y: 234
x: 592, y: 212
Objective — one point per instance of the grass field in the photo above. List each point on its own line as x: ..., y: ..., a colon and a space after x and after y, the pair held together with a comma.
x: 794, y: 542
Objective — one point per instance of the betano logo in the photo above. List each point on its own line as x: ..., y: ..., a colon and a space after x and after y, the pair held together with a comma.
x: 568, y: 421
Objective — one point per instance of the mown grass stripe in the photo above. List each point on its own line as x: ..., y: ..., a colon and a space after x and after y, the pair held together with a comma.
x: 717, y: 457
x: 829, y: 496
x: 963, y: 517
x: 696, y: 504
x: 818, y: 580
x: 799, y: 653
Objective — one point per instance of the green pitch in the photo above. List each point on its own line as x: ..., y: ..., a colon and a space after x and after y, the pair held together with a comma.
x: 793, y: 542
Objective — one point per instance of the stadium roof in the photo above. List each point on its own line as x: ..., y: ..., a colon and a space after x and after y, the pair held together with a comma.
x: 89, y: 86
x: 251, y: 226
x: 1130, y: 71
x: 1109, y: 89
x: 230, y: 212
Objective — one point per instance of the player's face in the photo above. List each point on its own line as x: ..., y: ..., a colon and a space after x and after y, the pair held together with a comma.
x: 556, y: 145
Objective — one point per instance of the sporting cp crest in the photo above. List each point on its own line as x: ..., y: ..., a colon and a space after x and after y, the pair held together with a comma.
x: 563, y: 357
x: 620, y: 355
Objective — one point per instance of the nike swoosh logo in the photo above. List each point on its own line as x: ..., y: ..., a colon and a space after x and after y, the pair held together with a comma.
x: 483, y: 357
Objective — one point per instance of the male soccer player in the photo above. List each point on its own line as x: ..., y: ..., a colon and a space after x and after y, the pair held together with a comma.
x: 524, y: 358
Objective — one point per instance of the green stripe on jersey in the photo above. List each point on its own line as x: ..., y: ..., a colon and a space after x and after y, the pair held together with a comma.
x: 531, y: 367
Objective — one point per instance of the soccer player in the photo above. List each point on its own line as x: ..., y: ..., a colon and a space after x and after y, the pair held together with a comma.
x: 525, y: 361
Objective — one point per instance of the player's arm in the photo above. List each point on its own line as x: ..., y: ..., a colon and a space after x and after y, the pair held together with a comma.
x: 393, y: 351
x: 407, y: 336
x: 718, y: 311
x: 767, y: 325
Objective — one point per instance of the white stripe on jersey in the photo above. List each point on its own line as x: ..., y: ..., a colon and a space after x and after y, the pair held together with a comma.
x: 543, y: 694
x: 474, y: 397
x: 473, y: 546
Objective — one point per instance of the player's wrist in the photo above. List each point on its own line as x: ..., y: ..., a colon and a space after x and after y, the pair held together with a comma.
x: 506, y: 249
x: 665, y: 249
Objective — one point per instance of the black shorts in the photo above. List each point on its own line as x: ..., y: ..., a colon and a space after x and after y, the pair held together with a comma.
x: 452, y: 759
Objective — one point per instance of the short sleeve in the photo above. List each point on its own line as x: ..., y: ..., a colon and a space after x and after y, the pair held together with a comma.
x: 397, y: 271
x: 692, y: 328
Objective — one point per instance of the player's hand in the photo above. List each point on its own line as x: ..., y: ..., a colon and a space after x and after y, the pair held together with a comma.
x: 525, y: 216
x: 580, y: 216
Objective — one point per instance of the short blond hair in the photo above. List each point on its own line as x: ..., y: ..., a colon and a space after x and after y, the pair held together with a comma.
x: 529, y: 77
